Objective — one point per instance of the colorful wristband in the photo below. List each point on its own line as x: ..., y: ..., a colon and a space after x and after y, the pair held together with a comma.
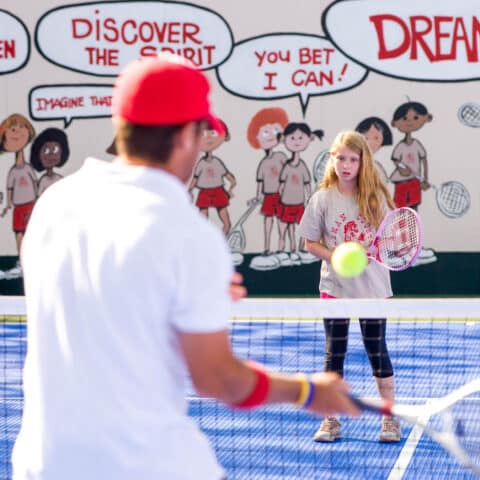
x: 307, y: 392
x: 261, y: 390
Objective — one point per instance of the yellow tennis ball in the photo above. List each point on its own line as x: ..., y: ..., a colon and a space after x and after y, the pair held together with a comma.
x: 349, y: 259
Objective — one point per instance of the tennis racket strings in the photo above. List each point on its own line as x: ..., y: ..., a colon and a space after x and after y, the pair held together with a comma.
x: 453, y: 199
x: 400, y: 239
x: 469, y: 114
x: 460, y: 427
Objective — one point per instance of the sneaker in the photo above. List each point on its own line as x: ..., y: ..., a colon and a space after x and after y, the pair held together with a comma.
x: 15, y: 272
x: 329, y: 430
x: 264, y: 263
x: 306, y: 257
x: 390, y: 431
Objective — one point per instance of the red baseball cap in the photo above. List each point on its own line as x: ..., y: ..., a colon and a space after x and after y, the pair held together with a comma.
x: 163, y: 90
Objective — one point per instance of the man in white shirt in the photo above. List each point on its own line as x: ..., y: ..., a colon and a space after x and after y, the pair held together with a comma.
x: 128, y: 291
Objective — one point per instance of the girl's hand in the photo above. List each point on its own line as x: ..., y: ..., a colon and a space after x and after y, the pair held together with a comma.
x: 425, y: 185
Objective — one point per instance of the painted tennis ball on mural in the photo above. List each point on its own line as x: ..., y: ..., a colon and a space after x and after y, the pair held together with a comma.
x: 349, y: 259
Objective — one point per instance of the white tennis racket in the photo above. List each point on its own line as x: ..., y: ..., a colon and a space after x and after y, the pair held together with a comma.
x: 469, y: 114
x: 453, y: 199
x: 398, y: 240
x: 319, y: 164
x: 236, y: 237
x: 452, y: 421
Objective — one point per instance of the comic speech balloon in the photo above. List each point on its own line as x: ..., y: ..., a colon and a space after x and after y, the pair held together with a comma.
x: 68, y: 102
x: 290, y: 64
x: 439, y: 42
x: 100, y: 38
x: 14, y: 43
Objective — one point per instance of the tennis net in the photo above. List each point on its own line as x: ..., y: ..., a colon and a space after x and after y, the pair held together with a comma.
x: 433, y: 346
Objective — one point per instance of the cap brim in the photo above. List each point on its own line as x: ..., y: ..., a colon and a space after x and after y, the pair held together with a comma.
x: 215, y: 124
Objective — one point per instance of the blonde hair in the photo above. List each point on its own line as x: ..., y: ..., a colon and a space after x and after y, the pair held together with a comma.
x: 372, y: 192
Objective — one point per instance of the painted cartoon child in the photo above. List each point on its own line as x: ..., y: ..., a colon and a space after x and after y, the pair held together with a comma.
x: 265, y: 132
x: 208, y: 177
x: 16, y: 132
x: 410, y: 159
x: 378, y: 134
x: 295, y: 190
x: 49, y: 150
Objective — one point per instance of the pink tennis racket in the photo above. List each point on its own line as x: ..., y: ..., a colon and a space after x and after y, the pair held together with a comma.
x: 398, y: 240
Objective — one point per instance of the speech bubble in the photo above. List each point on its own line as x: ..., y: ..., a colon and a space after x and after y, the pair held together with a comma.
x: 68, y: 102
x: 100, y: 38
x: 14, y: 43
x: 438, y: 42
x: 290, y: 64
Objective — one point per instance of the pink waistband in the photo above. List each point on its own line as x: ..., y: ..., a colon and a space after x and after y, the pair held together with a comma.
x: 326, y: 295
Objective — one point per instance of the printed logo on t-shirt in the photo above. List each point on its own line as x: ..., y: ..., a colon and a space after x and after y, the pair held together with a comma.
x: 352, y: 230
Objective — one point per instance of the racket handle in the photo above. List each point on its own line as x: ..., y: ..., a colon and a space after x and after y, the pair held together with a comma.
x: 381, y: 407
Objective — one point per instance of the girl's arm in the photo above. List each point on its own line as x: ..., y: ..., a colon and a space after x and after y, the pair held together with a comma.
x: 319, y: 250
x: 233, y: 181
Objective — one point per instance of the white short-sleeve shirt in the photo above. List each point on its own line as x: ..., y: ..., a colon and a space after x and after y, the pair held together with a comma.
x: 116, y: 261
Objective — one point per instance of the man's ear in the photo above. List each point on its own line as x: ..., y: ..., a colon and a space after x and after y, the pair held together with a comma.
x: 185, y: 136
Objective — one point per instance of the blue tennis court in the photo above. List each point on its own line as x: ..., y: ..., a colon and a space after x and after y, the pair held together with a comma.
x: 430, y: 357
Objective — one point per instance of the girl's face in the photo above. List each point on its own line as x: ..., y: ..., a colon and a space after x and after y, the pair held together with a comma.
x: 347, y: 165
x: 50, y: 154
x: 297, y: 141
x: 374, y: 138
x: 411, y: 121
x: 16, y: 137
x: 268, y: 135
x: 211, y: 140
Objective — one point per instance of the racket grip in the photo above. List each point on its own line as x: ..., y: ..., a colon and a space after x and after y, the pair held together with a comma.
x: 381, y: 407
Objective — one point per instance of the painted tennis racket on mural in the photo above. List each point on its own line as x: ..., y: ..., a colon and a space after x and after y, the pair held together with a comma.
x: 236, y: 237
x: 398, y: 239
x: 452, y: 197
x: 469, y: 114
x: 452, y: 421
x: 381, y: 171
x: 319, y: 165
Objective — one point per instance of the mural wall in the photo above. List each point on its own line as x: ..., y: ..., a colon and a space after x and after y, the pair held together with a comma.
x: 286, y: 77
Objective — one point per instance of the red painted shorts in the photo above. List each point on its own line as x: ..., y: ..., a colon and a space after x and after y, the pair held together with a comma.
x: 212, y: 197
x: 21, y: 216
x: 408, y: 193
x: 291, y: 213
x: 271, y: 205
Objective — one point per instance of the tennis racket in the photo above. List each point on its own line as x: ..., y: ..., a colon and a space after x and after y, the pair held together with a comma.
x: 236, y: 237
x: 398, y: 240
x: 452, y: 421
x: 381, y: 171
x: 453, y: 199
x: 469, y: 114
x: 319, y: 164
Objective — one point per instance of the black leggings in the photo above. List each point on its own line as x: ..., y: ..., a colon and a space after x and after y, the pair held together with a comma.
x: 373, y: 334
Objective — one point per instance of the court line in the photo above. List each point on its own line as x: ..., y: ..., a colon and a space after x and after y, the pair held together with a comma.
x: 406, y: 454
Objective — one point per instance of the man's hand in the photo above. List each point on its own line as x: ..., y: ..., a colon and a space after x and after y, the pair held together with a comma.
x: 237, y: 290
x: 331, y: 395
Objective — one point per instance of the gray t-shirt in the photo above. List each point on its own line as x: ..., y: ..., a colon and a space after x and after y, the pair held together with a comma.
x: 333, y: 218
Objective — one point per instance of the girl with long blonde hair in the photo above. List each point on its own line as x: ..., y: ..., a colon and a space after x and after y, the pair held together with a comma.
x: 349, y: 205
